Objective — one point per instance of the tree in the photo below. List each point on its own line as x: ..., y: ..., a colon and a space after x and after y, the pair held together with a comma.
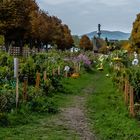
x: 23, y: 22
x: 99, y: 42
x: 85, y: 43
x: 67, y: 40
x: 14, y: 20
x: 76, y: 40
x: 103, y: 50
x: 135, y: 34
x: 107, y: 42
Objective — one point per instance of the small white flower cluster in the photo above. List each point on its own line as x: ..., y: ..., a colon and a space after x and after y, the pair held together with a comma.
x: 135, y: 61
x: 67, y: 68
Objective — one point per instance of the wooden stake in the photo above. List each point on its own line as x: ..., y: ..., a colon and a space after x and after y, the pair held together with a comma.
x: 45, y: 75
x: 37, y: 80
x: 126, y: 92
x: 53, y: 72
x: 66, y: 74
x: 132, y: 113
x: 25, y: 89
x: 79, y: 67
x: 58, y: 70
x: 74, y: 67
x: 122, y: 86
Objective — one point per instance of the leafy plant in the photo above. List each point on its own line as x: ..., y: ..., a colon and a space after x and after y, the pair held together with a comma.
x: 42, y: 104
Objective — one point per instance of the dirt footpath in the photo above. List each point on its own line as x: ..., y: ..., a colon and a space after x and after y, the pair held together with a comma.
x: 74, y: 116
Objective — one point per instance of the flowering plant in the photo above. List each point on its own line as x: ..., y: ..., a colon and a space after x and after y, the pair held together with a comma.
x: 83, y: 59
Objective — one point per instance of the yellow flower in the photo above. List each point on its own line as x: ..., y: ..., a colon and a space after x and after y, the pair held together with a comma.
x: 117, y: 59
x: 75, y: 75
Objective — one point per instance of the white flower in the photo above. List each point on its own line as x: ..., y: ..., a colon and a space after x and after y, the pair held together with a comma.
x: 107, y: 75
x: 135, y: 62
x: 67, y: 68
x: 135, y: 55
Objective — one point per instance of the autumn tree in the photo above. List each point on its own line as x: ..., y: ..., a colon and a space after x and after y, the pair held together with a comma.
x: 23, y: 22
x: 14, y: 19
x: 103, y: 50
x: 85, y: 43
x: 135, y: 34
x: 66, y: 40
x: 127, y: 46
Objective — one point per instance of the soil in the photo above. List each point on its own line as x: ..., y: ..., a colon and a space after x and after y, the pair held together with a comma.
x: 74, y: 116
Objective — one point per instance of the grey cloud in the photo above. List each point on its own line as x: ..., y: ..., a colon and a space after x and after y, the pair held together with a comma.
x: 82, y: 16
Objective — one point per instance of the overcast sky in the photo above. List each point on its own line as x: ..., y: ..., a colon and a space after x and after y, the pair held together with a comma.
x: 83, y: 16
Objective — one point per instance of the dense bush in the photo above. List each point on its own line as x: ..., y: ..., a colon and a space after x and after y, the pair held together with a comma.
x: 43, y: 105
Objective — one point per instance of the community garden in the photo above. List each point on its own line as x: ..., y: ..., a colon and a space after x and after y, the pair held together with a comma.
x: 49, y: 92
x: 30, y: 83
x: 48, y: 81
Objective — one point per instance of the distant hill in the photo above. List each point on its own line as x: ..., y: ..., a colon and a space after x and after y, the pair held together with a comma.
x: 114, y: 35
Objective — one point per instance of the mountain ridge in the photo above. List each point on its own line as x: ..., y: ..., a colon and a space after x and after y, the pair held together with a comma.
x: 111, y: 35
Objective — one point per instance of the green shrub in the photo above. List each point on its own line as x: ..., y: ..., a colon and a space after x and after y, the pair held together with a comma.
x: 7, y: 100
x: 33, y: 92
x: 4, y: 120
x: 43, y: 105
x: 1, y: 39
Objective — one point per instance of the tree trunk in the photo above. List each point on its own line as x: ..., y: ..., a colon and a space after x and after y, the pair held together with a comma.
x: 21, y: 47
x: 6, y: 44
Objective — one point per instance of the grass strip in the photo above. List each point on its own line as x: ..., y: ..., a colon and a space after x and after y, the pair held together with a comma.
x: 108, y: 114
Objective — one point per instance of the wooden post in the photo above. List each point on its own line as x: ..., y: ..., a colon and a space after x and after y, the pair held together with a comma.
x: 25, y: 88
x: 122, y: 85
x: 37, y: 80
x: 132, y: 113
x: 74, y: 67
x: 66, y: 74
x: 45, y: 75
x: 53, y: 72
x: 119, y: 84
x: 79, y: 67
x: 126, y: 92
x: 58, y: 70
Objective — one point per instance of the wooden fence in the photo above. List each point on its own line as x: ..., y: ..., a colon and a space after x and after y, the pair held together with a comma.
x: 15, y: 51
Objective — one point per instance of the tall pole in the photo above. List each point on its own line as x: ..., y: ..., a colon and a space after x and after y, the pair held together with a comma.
x: 99, y: 30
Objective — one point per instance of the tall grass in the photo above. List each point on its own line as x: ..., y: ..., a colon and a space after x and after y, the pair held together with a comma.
x: 108, y: 114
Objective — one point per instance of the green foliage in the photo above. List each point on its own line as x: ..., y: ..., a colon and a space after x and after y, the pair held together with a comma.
x: 6, y: 67
x: 133, y: 74
x: 43, y: 105
x: 28, y: 69
x: 4, y: 119
x: 76, y: 40
x: 1, y: 40
x: 7, y: 99
x: 38, y: 99
x: 109, y: 116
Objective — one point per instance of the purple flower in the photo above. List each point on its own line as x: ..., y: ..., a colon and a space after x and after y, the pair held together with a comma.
x: 83, y: 59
